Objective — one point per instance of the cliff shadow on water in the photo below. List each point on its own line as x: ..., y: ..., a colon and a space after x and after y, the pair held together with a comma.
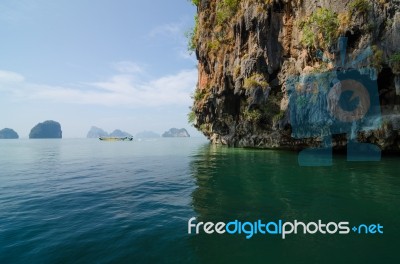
x: 251, y: 185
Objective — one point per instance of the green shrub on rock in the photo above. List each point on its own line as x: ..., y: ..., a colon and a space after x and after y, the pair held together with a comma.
x: 320, y: 29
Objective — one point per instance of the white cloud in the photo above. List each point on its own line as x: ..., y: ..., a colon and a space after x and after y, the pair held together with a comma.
x: 8, y: 76
x: 128, y: 67
x: 121, y: 89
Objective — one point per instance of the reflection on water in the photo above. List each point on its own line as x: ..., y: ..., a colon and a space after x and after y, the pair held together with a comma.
x: 85, y: 201
x: 253, y: 184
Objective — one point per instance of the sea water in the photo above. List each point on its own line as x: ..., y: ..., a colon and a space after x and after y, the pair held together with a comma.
x: 86, y: 201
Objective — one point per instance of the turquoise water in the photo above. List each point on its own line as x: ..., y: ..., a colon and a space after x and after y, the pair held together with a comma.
x: 85, y: 201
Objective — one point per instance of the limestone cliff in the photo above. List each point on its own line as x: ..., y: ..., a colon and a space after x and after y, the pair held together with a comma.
x: 248, y: 50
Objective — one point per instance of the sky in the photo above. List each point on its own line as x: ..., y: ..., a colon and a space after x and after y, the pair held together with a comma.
x: 120, y: 64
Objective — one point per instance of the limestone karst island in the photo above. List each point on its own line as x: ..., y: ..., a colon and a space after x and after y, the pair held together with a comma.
x: 254, y: 55
x: 8, y: 133
x: 47, y: 129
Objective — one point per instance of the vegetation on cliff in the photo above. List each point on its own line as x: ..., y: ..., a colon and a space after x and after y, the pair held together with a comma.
x: 320, y: 29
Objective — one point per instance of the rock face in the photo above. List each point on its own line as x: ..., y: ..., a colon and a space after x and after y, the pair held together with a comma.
x: 147, y: 134
x: 96, y: 132
x: 249, y: 50
x: 8, y: 133
x: 47, y: 129
x: 119, y: 133
x: 174, y: 132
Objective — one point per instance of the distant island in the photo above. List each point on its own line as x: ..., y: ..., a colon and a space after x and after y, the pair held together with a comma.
x: 147, y: 134
x: 174, y: 132
x: 96, y: 132
x: 47, y: 129
x: 119, y: 133
x: 8, y: 133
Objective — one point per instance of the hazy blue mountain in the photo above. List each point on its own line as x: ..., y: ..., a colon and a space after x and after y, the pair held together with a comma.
x: 47, y: 129
x: 174, y: 132
x: 8, y: 133
x: 96, y: 132
x: 119, y: 133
